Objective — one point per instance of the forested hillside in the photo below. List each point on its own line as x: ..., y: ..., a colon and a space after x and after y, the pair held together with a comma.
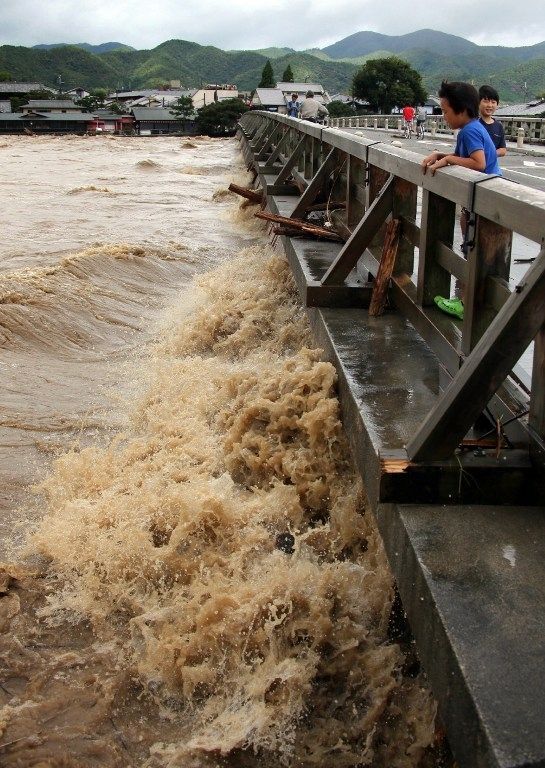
x: 518, y: 73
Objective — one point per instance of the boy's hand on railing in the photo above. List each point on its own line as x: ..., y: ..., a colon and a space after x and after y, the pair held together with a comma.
x: 433, y: 162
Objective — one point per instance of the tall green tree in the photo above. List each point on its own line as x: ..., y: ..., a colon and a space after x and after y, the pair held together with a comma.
x: 267, y: 77
x: 95, y: 100
x: 388, y: 83
x: 183, y: 109
x: 340, y: 109
x: 221, y: 117
x: 5, y: 77
x: 287, y: 77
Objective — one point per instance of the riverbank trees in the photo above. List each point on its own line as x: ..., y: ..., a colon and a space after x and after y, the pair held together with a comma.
x: 388, y: 83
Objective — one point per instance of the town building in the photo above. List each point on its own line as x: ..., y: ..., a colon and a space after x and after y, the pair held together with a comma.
x: 156, y: 122
x: 534, y: 108
x: 105, y: 121
x: 34, y: 122
x: 51, y: 106
x: 75, y: 93
x: 10, y: 89
x: 149, y: 97
x: 208, y: 94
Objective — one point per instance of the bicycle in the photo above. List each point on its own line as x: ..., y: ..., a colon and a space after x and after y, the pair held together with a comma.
x: 408, y: 129
x: 420, y: 132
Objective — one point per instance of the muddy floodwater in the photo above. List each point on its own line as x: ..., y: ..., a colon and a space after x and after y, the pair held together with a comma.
x: 190, y: 575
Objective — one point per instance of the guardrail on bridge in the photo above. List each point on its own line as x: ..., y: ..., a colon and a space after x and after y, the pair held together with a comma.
x: 533, y: 129
x: 443, y: 425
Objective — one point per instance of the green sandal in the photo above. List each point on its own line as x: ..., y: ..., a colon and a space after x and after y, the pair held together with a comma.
x: 451, y: 306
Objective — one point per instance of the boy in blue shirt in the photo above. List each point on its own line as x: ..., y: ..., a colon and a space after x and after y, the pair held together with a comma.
x: 474, y: 147
x: 474, y: 150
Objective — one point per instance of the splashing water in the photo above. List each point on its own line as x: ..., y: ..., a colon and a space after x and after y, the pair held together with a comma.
x: 164, y: 626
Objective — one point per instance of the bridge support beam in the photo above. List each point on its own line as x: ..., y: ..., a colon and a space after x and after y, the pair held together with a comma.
x: 487, y: 367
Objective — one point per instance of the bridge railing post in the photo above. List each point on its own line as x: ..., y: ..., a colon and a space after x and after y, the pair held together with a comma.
x: 355, y: 190
x: 404, y: 209
x: 491, y: 257
x: 317, y: 155
x: 537, y: 399
x: 307, y: 169
x: 436, y: 226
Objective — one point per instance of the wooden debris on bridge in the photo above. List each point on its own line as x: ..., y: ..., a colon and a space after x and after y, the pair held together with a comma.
x: 254, y: 196
x: 385, y: 269
x: 292, y: 227
x: 326, y: 206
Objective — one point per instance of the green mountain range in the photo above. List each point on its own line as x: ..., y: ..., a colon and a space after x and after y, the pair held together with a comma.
x: 518, y: 73
x: 102, y: 48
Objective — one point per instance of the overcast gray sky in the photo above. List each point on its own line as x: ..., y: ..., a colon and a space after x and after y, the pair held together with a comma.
x: 243, y: 24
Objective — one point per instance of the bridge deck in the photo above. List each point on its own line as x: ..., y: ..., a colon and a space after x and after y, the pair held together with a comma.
x: 470, y: 579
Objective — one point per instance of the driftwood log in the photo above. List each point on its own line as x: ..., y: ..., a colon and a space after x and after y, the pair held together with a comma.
x: 299, y: 227
x: 253, y: 195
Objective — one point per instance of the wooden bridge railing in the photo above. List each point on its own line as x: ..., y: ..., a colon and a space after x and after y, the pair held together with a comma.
x: 533, y: 127
x: 371, y: 183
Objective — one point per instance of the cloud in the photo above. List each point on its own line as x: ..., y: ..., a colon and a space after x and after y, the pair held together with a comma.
x: 240, y: 25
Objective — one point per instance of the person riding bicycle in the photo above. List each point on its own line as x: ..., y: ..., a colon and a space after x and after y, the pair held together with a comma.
x: 408, y: 117
x: 421, y: 116
x: 312, y: 109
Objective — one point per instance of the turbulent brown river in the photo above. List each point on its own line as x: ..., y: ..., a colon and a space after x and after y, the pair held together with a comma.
x: 190, y: 577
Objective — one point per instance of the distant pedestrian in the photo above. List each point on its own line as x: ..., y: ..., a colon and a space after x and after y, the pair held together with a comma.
x: 488, y: 104
x: 294, y: 106
x: 312, y: 109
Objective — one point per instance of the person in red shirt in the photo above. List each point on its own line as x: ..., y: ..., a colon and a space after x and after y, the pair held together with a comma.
x: 408, y: 113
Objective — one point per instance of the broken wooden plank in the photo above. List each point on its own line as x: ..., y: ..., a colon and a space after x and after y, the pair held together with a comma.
x: 385, y: 269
